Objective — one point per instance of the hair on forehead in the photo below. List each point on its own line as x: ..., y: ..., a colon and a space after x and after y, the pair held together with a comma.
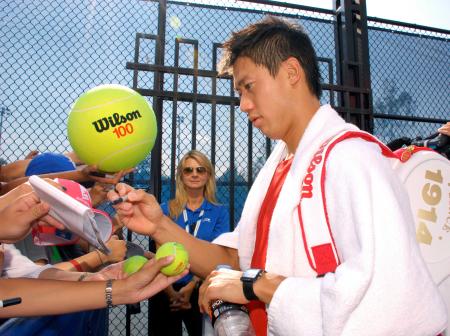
x: 264, y: 35
x: 270, y: 42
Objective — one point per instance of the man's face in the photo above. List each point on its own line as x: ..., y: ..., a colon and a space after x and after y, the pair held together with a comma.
x: 263, y: 97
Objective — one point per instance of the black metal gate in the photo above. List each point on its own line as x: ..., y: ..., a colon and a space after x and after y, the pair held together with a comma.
x: 387, y: 77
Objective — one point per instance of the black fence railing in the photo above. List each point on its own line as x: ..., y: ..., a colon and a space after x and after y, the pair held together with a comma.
x: 409, y: 70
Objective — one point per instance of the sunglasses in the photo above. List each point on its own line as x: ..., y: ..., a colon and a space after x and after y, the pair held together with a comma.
x: 190, y: 170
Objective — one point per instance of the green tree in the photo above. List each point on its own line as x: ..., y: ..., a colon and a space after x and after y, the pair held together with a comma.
x: 392, y: 102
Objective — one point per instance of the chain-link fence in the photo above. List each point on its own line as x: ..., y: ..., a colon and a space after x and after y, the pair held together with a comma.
x: 53, y: 51
x: 409, y: 68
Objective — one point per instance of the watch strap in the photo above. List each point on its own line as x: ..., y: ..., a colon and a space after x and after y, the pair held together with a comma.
x: 247, y: 285
x: 108, y: 294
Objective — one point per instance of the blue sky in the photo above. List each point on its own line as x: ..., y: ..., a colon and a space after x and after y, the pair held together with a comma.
x: 52, y: 57
x: 433, y: 13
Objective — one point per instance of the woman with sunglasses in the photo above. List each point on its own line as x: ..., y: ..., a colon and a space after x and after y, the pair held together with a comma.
x: 195, y: 209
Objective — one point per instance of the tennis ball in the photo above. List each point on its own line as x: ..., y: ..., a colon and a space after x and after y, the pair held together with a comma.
x: 181, y: 258
x: 111, y: 126
x: 175, y: 22
x: 134, y: 264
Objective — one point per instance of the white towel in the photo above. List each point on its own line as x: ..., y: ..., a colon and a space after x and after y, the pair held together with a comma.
x: 325, y: 123
x: 382, y: 286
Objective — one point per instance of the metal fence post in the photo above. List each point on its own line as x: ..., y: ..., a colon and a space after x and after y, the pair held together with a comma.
x: 155, y: 165
x: 352, y: 60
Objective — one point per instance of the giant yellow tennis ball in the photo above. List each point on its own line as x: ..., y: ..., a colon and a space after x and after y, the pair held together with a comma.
x: 134, y: 264
x: 180, y: 262
x: 111, y: 126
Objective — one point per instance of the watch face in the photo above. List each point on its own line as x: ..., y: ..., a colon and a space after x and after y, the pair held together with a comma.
x: 251, y: 273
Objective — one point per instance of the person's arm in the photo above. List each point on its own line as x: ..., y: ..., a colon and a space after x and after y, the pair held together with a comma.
x: 83, y: 174
x: 31, y: 155
x: 54, y: 273
x: 96, y: 259
x: 75, y: 175
x: 74, y: 157
x: 89, y: 262
x: 227, y: 285
x: 203, y: 256
x: 141, y: 213
x: 184, y: 296
x: 172, y: 294
x: 50, y: 297
x: 13, y: 170
x: 16, y: 265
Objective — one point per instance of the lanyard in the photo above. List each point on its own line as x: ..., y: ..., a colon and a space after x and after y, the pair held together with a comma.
x: 197, y: 224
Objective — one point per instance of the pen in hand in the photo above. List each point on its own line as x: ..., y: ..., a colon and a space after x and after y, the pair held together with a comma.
x: 119, y: 200
x: 10, y: 302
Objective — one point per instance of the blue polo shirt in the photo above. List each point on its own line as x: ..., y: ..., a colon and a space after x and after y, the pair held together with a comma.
x: 214, y: 221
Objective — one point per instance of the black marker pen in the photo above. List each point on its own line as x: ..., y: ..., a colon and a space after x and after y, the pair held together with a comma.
x: 10, y: 302
x: 119, y: 200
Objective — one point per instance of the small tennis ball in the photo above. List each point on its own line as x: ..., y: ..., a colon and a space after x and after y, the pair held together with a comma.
x: 175, y: 22
x: 180, y: 262
x: 134, y: 264
x: 111, y: 126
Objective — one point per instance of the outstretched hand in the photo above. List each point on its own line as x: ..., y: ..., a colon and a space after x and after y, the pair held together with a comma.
x: 18, y: 218
x: 118, y: 250
x: 146, y: 282
x: 445, y: 129
x: 96, y: 175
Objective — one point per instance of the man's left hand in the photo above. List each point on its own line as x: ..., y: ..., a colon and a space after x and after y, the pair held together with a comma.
x: 224, y: 284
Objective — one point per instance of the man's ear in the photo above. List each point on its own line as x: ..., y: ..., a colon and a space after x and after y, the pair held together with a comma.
x: 293, y: 69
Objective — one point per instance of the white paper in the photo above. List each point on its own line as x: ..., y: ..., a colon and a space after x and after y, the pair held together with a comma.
x: 76, y: 217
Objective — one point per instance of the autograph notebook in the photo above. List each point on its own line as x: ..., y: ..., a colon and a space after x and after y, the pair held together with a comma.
x: 83, y: 221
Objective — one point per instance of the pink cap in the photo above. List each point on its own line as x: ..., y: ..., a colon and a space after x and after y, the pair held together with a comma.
x: 43, y: 235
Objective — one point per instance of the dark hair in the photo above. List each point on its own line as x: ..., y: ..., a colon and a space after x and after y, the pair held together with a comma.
x: 270, y: 42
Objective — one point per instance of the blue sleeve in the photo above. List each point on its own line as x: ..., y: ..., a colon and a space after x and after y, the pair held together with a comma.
x: 222, y: 223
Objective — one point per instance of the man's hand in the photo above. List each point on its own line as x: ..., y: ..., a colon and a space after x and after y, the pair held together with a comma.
x: 140, y: 213
x: 223, y: 284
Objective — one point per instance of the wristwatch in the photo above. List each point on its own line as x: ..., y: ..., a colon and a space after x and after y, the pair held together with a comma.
x: 248, y: 278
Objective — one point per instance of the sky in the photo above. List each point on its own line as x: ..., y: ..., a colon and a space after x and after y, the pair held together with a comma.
x: 433, y: 13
